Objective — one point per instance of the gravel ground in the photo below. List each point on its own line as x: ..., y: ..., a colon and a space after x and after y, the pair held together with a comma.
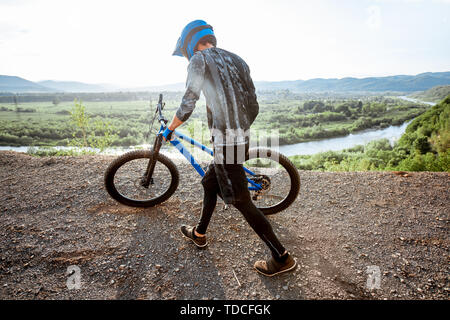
x: 55, y: 213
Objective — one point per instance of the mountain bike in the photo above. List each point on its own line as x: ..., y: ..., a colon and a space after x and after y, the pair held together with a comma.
x: 145, y: 178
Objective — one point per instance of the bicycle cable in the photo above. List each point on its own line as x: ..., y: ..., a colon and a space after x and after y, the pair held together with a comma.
x: 151, y: 126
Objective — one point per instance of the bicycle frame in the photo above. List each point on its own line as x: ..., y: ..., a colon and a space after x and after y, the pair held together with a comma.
x: 190, y: 158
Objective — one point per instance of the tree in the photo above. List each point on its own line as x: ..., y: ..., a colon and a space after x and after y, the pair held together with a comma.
x: 343, y: 108
x: 359, y: 106
x: 16, y: 102
x: 56, y: 101
x: 102, y: 142
x: 81, y: 120
x: 422, y: 145
x: 366, y: 108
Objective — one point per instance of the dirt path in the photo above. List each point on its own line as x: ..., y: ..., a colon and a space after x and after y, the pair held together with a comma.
x: 56, y: 213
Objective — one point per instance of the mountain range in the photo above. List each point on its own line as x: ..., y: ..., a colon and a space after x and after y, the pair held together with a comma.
x: 73, y: 86
x: 402, y: 83
x: 398, y: 83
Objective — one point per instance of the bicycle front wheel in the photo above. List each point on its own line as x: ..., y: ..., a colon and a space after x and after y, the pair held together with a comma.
x: 124, y: 175
x: 277, y: 176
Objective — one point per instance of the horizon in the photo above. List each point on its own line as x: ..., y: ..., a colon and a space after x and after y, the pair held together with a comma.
x: 121, y: 43
x: 181, y: 82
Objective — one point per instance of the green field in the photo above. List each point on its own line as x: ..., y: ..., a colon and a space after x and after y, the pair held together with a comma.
x: 298, y: 118
x: 50, y: 125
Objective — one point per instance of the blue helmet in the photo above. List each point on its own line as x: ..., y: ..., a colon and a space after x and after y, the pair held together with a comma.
x: 190, y: 36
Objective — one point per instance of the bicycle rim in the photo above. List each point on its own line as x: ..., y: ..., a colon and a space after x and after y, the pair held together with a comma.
x: 278, y: 177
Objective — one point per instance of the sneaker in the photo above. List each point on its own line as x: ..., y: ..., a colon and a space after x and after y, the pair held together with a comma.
x: 272, y: 267
x: 188, y: 232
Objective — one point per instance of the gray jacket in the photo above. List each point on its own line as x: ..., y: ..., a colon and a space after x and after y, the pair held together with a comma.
x: 230, y: 95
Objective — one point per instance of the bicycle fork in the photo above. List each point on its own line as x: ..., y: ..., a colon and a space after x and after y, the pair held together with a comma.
x: 147, y: 178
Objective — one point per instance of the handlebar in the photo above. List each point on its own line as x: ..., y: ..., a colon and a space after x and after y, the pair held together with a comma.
x: 160, y: 107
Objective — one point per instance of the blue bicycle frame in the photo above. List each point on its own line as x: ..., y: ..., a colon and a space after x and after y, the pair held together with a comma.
x: 183, y: 150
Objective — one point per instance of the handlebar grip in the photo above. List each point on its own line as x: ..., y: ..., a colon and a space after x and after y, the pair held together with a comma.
x: 160, y: 98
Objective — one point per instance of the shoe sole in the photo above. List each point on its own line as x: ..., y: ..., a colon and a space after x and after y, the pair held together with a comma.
x: 198, y: 245
x: 279, y: 272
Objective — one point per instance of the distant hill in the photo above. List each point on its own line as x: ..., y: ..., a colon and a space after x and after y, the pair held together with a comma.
x: 435, y: 94
x: 401, y: 83
x: 179, y: 86
x: 13, y: 84
x: 73, y: 86
x: 17, y: 84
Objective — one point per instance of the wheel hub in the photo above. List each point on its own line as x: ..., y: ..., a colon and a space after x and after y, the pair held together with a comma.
x: 264, y: 182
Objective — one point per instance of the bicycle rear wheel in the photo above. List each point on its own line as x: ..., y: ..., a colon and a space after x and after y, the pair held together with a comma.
x: 278, y: 177
x: 124, y: 175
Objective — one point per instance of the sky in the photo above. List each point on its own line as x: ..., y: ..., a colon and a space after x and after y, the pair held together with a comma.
x: 130, y: 43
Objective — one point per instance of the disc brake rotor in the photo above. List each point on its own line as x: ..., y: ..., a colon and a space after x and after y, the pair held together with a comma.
x: 264, y: 182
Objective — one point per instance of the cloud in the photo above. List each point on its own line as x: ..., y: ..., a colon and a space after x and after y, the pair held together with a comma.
x: 413, y: 1
x: 8, y: 30
x: 374, y: 19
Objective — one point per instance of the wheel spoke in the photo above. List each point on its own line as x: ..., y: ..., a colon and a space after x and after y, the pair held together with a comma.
x: 275, y: 181
x: 127, y: 180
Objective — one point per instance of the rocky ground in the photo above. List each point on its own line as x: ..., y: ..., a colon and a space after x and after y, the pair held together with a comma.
x: 55, y: 213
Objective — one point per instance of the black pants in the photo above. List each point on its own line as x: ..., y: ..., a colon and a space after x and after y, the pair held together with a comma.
x: 243, y: 203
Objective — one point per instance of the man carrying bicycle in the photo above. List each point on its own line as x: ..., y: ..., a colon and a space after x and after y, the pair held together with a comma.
x: 224, y: 78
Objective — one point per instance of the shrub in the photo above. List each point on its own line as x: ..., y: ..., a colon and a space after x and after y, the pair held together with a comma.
x: 422, y: 145
x: 88, y: 130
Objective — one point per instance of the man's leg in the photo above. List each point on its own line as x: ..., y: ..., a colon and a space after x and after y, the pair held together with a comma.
x: 210, y: 192
x: 259, y: 223
x: 281, y: 260
x: 209, y: 204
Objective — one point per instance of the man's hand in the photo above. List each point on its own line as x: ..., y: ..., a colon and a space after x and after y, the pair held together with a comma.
x: 167, y: 134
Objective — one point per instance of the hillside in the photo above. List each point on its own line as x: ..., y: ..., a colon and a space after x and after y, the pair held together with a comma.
x: 435, y: 94
x: 14, y: 84
x: 17, y: 84
x: 428, y: 135
x: 72, y: 86
x: 56, y: 213
x: 400, y: 83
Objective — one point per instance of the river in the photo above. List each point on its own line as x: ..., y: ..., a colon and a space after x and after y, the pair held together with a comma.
x: 391, y: 133
x: 417, y: 100
x: 111, y: 151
